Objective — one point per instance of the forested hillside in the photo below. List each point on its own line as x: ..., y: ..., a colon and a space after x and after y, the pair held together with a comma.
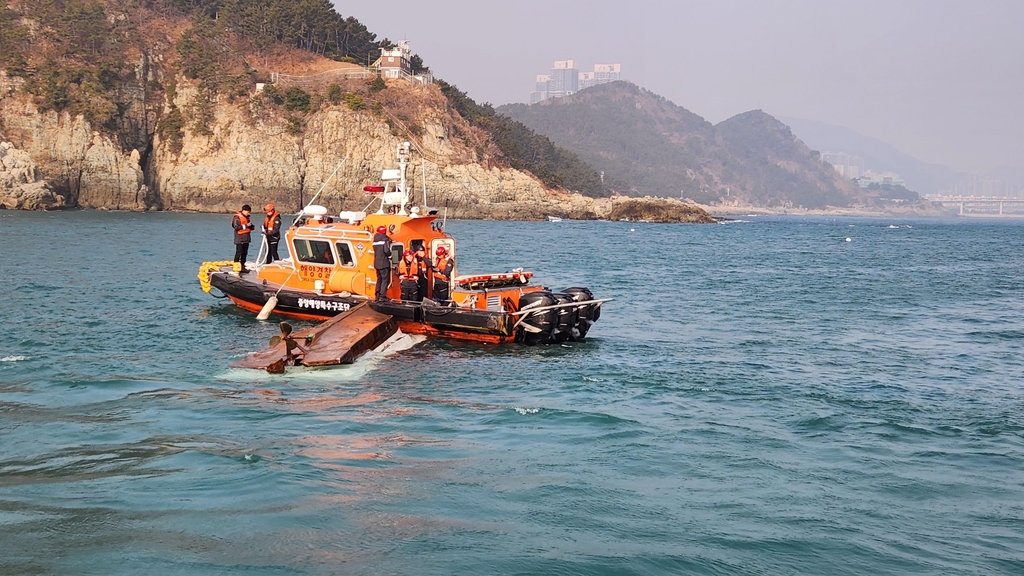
x: 647, y: 145
x: 115, y: 63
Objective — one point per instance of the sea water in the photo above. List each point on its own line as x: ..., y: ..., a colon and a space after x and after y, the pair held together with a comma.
x: 761, y: 397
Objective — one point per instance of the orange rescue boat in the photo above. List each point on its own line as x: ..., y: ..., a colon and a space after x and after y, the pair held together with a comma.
x: 329, y: 269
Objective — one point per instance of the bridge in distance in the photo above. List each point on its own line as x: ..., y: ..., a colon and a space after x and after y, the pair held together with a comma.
x: 981, y: 206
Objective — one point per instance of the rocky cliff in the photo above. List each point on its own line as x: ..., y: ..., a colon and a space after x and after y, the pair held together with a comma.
x: 21, y: 184
x: 246, y: 157
x: 168, y: 105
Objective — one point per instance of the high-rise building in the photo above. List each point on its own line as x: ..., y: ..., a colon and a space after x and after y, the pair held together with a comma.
x: 605, y: 73
x: 565, y: 80
x: 541, y: 92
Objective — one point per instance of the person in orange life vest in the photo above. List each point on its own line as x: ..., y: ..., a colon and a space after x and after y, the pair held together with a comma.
x: 240, y: 222
x: 424, y: 268
x: 272, y: 232
x: 409, y: 275
x: 382, y: 262
x: 443, y: 268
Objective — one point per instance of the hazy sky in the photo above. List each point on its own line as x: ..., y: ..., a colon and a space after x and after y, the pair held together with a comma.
x: 939, y: 79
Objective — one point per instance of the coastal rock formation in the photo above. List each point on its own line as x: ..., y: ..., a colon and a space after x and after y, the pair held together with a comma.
x: 21, y: 186
x: 249, y: 155
x: 186, y: 106
x: 256, y: 160
x: 86, y: 168
x: 656, y: 210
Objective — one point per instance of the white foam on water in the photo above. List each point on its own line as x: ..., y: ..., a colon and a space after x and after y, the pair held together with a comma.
x: 525, y: 411
x: 734, y: 221
x: 342, y: 373
x: 589, y: 379
x: 13, y: 358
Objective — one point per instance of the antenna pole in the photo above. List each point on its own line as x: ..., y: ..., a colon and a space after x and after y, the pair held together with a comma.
x: 320, y: 190
x: 423, y: 177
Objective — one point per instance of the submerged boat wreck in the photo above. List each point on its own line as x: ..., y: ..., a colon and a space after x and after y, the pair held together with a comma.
x: 329, y: 269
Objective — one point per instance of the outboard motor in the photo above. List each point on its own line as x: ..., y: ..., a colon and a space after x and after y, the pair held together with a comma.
x: 586, y: 315
x: 536, y: 328
x: 565, y: 318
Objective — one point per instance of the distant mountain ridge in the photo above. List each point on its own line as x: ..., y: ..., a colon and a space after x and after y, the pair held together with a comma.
x: 879, y: 156
x: 647, y: 145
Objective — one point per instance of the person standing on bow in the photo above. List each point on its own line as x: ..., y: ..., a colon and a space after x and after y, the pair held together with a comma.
x: 243, y: 227
x: 272, y: 232
x: 409, y: 272
x: 444, y: 267
x: 382, y: 262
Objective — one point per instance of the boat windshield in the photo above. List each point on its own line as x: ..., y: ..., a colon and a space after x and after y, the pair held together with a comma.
x: 345, y: 254
x: 313, y: 251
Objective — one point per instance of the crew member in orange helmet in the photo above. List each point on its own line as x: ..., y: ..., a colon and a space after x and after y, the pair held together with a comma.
x: 382, y: 262
x: 444, y: 267
x: 272, y: 232
x: 409, y: 275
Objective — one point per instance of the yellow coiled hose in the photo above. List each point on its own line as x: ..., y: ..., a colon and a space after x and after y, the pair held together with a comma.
x: 209, y: 267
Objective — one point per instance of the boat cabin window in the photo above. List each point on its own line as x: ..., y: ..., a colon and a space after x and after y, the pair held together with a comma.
x: 345, y: 254
x: 313, y: 251
x: 396, y: 252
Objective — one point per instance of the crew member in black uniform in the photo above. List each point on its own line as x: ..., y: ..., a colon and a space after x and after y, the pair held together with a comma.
x: 272, y: 232
x: 409, y: 272
x: 424, y: 269
x: 382, y: 262
x: 444, y: 267
x: 240, y: 222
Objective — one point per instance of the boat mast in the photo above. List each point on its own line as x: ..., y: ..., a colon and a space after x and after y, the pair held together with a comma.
x: 399, y: 198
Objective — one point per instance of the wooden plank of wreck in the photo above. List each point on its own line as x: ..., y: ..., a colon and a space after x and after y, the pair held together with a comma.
x: 339, y: 340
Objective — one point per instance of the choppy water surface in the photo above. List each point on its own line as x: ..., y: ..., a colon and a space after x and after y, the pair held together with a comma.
x: 763, y: 397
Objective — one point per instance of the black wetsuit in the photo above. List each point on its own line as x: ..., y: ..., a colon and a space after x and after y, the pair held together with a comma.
x: 273, y: 235
x: 424, y: 264
x: 382, y: 264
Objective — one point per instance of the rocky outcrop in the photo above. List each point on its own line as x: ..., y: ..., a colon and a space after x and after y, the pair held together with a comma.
x: 85, y: 167
x: 663, y: 210
x: 21, y: 186
x: 249, y: 156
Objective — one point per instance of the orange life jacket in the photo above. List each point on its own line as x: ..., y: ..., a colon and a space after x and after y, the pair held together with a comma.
x: 244, y: 222
x: 442, y: 265
x: 409, y: 270
x: 268, y: 222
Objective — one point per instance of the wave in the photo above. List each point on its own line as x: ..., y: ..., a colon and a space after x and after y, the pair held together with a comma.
x: 346, y: 373
x: 13, y: 358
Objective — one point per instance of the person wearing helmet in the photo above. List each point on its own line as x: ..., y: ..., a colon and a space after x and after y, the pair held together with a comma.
x: 272, y: 232
x: 425, y: 266
x: 409, y: 270
x: 444, y: 267
x: 382, y: 262
x: 243, y: 226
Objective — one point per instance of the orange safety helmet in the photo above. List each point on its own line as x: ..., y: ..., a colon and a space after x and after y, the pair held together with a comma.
x: 441, y: 250
x: 382, y: 230
x: 268, y: 208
